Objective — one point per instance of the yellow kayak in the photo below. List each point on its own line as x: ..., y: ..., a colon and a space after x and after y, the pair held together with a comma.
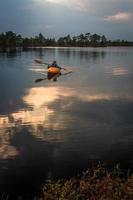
x: 54, y: 70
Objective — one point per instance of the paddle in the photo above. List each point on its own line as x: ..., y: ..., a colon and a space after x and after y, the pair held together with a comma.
x: 66, y: 73
x: 42, y: 62
x: 40, y: 79
x: 64, y: 68
x: 52, y: 78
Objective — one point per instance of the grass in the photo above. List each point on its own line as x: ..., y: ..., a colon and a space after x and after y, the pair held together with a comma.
x: 94, y: 184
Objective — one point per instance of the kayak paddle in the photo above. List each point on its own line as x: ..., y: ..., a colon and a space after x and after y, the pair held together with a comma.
x: 40, y: 62
x: 40, y: 79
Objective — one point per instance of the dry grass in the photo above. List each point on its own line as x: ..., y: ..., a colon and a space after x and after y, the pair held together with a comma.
x: 94, y: 184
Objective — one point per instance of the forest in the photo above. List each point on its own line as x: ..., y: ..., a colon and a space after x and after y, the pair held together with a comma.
x: 11, y: 39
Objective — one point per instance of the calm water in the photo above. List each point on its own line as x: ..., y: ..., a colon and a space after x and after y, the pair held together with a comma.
x: 57, y: 129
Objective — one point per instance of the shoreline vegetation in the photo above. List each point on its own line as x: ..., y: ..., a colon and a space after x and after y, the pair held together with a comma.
x: 96, y: 183
x: 10, y: 39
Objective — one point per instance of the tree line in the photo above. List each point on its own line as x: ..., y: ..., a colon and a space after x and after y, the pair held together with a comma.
x: 11, y: 39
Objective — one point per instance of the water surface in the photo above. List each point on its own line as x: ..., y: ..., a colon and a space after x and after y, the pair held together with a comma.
x: 57, y: 129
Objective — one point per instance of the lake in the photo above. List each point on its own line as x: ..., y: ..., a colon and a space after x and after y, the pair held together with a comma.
x: 58, y: 129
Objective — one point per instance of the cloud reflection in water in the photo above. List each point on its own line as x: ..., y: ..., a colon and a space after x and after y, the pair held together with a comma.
x: 52, y: 109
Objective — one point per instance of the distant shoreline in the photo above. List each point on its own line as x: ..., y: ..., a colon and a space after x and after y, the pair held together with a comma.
x: 10, y: 39
x: 41, y: 47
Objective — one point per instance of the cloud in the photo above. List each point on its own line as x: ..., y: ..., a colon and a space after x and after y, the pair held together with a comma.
x: 81, y: 5
x: 60, y: 17
x: 119, y: 17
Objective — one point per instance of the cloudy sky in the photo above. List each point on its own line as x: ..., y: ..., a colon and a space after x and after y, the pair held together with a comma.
x: 54, y: 18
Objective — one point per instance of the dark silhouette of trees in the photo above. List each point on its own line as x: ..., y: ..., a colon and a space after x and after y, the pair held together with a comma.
x: 19, y: 40
x: 65, y: 41
x: 83, y: 40
x: 95, y: 40
x: 50, y: 42
x: 103, y: 41
x: 2, y: 40
x: 8, y: 39
x: 11, y: 40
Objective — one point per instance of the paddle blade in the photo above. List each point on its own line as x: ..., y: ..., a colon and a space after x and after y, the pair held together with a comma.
x: 39, y: 61
x: 67, y: 73
x: 39, y: 80
x: 64, y: 68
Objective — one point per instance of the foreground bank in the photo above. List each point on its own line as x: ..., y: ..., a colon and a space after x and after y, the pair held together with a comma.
x: 94, y: 184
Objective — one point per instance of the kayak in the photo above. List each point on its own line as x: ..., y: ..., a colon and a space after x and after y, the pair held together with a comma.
x: 54, y: 70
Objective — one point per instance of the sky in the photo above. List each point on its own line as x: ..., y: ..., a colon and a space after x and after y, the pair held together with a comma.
x: 57, y: 18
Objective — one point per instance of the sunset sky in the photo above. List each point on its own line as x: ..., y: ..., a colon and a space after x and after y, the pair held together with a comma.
x: 55, y: 18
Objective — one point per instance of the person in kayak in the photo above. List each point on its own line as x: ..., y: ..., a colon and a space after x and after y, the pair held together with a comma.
x: 54, y: 64
x: 51, y: 75
x: 53, y: 71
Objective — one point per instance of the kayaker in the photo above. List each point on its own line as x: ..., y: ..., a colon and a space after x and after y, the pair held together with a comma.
x: 53, y: 75
x: 54, y: 64
x: 53, y: 71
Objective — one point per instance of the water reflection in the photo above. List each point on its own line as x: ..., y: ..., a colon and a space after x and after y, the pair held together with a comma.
x: 120, y: 71
x: 82, y: 53
x: 57, y: 129
x: 31, y: 166
x: 46, y: 147
x: 11, y: 51
x: 54, y: 109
